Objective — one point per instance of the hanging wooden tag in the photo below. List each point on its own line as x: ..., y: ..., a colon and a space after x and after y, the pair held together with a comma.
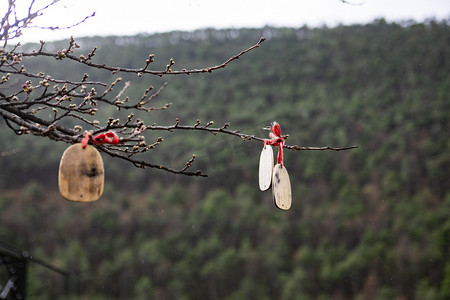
x: 265, y: 168
x: 281, y: 187
x: 81, y: 174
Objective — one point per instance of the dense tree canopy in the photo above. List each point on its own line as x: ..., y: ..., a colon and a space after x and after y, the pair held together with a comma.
x: 372, y: 223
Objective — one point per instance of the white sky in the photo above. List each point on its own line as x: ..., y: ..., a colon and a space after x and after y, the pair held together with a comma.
x: 148, y: 16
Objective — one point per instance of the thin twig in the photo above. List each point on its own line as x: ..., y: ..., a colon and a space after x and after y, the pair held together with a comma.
x: 144, y: 69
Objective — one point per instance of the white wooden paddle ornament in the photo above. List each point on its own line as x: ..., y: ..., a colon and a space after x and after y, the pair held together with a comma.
x: 265, y: 167
x: 81, y: 172
x: 279, y: 177
x: 281, y: 187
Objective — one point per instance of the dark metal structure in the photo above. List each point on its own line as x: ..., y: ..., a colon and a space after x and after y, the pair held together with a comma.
x: 15, y: 262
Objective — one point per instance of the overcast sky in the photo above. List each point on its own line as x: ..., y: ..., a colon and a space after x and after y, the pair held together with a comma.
x: 148, y: 16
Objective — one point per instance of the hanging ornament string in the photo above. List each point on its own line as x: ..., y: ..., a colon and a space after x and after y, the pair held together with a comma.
x: 276, y: 140
x: 109, y: 137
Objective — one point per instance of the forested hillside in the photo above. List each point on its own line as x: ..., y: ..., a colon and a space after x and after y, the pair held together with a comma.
x: 368, y: 223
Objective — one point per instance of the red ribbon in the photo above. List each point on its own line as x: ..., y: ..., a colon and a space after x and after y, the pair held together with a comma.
x: 276, y: 140
x: 109, y: 137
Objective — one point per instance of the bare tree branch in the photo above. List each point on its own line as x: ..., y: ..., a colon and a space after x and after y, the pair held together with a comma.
x: 23, y: 99
x: 11, y: 24
x: 86, y: 60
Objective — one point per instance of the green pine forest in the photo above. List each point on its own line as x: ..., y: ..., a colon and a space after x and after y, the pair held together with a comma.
x: 367, y: 223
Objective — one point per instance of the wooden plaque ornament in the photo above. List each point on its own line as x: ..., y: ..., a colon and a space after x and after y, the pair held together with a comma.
x: 279, y: 178
x: 81, y: 174
x: 281, y: 187
x: 265, y: 168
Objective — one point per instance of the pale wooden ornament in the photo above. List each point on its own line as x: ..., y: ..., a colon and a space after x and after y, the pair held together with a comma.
x: 81, y: 174
x: 281, y: 187
x: 265, y: 168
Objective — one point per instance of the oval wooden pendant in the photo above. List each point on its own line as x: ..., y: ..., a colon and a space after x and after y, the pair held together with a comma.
x: 265, y: 168
x: 81, y: 174
x: 281, y: 187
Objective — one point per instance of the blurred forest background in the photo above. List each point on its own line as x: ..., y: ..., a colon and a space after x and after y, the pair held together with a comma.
x: 369, y: 223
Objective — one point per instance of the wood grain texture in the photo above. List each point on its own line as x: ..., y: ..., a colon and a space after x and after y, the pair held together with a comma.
x: 81, y: 174
x: 281, y: 187
x: 265, y: 168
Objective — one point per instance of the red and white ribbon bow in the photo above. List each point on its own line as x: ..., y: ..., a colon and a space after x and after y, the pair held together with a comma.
x: 276, y: 140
